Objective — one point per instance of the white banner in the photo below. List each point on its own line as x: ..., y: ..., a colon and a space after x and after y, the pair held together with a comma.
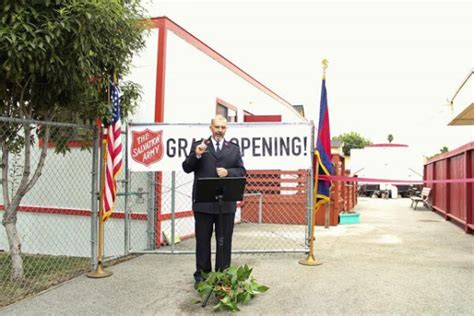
x: 163, y: 147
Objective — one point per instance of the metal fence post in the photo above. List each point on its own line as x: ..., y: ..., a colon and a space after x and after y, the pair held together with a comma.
x: 151, y: 211
x: 127, y: 210
x: 260, y: 207
x: 260, y: 204
x: 94, y: 196
x: 173, y: 208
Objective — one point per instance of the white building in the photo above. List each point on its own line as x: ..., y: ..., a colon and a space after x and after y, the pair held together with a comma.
x: 184, y: 80
x: 388, y: 162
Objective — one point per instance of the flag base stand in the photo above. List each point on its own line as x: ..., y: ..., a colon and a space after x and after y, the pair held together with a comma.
x: 310, y: 261
x: 99, y: 273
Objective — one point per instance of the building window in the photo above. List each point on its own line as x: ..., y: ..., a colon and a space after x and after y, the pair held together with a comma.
x: 222, y: 110
x: 227, y: 110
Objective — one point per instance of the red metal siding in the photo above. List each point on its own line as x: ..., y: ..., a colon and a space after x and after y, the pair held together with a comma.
x: 454, y: 200
x: 441, y: 188
x: 262, y: 118
x: 457, y: 196
x: 469, y: 191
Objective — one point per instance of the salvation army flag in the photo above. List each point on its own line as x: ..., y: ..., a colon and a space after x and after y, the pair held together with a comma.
x: 322, y: 154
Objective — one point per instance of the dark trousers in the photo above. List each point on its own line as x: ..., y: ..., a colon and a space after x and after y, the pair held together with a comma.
x: 203, y: 227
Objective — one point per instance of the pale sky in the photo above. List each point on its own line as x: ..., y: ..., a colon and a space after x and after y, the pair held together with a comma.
x: 392, y: 65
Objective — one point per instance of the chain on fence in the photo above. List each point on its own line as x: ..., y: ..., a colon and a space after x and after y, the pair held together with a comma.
x: 45, y: 205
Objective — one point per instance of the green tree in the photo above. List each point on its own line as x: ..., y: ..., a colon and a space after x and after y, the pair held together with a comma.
x: 390, y: 138
x: 56, y: 58
x: 352, y: 140
x: 442, y: 150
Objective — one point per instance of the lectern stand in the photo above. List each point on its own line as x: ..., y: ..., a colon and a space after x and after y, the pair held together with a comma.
x: 219, y: 190
x: 228, y: 189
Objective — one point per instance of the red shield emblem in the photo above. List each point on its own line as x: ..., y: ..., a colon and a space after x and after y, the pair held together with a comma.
x: 147, y: 147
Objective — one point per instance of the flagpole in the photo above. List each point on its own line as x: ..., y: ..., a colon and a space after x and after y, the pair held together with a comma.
x: 325, y: 63
x: 99, y: 271
x: 310, y: 260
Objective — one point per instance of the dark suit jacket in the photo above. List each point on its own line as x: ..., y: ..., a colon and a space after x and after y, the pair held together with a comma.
x: 229, y: 158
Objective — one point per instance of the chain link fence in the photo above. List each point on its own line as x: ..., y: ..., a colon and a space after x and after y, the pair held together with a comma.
x: 273, y: 217
x: 56, y: 221
x: 51, y: 225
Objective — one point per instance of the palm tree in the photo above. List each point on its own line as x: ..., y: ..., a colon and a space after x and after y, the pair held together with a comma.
x: 390, y: 138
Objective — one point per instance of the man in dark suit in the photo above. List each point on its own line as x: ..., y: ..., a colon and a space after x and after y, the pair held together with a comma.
x: 213, y: 157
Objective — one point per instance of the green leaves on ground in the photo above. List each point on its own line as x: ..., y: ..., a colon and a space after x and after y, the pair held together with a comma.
x: 231, y: 287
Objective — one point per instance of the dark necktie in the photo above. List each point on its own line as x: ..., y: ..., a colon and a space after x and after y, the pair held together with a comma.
x: 218, y: 149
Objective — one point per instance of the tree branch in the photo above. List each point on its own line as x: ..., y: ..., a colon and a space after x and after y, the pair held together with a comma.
x: 20, y: 192
x: 40, y: 165
x: 23, y: 90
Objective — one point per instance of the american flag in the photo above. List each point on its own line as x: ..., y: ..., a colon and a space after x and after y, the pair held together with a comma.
x: 113, y: 164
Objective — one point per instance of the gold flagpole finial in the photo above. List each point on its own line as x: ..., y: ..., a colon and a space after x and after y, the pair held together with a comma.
x: 325, y: 63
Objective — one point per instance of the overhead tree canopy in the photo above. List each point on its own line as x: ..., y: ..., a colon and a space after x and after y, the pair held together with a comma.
x: 352, y: 140
x: 56, y: 57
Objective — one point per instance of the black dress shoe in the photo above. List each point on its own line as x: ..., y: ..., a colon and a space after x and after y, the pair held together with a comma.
x: 197, y: 280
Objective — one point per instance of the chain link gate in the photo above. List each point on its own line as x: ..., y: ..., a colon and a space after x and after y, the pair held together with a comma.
x: 272, y: 217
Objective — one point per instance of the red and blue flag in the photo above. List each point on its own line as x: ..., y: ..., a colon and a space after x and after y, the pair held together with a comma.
x: 322, y: 154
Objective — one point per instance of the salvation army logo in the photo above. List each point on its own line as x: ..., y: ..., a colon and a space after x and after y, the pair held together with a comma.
x: 147, y: 146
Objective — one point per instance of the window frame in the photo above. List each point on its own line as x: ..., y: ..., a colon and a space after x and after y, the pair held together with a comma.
x: 228, y: 106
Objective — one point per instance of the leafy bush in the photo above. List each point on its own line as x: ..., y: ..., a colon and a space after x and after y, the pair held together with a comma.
x: 232, y: 286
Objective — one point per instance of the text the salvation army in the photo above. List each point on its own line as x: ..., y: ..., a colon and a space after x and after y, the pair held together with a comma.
x: 147, y: 145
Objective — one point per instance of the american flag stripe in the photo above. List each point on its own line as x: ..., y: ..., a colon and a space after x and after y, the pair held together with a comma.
x: 113, y: 155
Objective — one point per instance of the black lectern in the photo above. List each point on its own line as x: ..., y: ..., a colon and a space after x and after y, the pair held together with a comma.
x: 227, y: 189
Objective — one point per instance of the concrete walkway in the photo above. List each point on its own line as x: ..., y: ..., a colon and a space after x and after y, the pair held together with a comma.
x: 396, y: 261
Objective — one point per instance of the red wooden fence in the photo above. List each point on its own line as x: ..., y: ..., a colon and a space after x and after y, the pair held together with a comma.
x: 285, y: 200
x: 284, y: 196
x: 343, y: 196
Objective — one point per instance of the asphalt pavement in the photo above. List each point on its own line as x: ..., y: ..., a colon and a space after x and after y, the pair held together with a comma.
x: 395, y: 261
